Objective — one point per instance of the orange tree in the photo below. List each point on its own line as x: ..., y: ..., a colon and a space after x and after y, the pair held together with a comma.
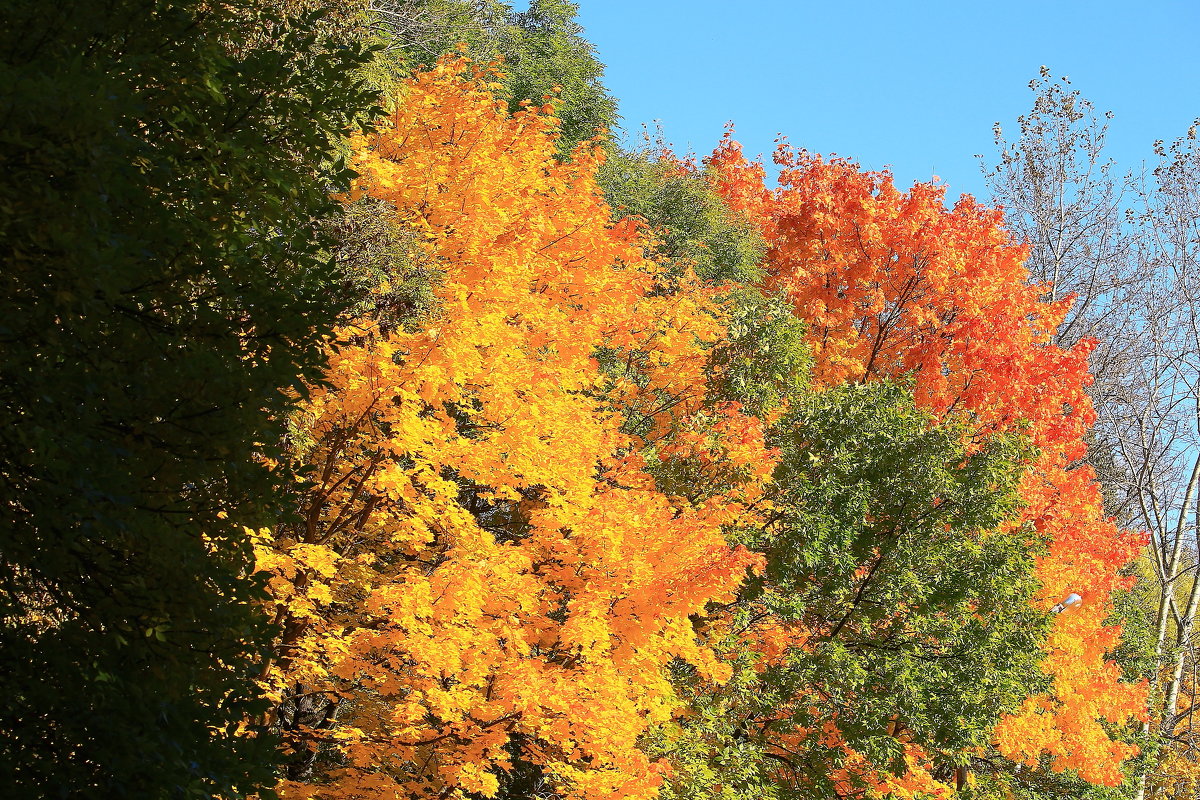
x: 488, y: 581
x: 894, y: 286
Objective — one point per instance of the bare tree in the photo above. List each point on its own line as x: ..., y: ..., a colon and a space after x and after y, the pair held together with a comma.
x: 1168, y: 485
x: 428, y: 28
x: 1064, y: 199
x: 1128, y: 248
x: 1061, y: 197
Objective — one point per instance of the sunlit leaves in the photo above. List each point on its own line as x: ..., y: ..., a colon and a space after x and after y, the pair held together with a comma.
x: 894, y: 284
x: 538, y: 448
x: 490, y: 579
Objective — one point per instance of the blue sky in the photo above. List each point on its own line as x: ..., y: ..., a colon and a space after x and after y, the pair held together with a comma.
x: 914, y: 86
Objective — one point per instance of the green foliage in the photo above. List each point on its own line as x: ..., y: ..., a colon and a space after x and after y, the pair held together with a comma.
x: 765, y: 360
x: 163, y: 281
x: 693, y: 225
x: 713, y: 748
x: 1134, y: 609
x: 545, y: 55
x: 915, y: 611
x: 383, y: 262
x: 886, y: 551
x: 542, y: 50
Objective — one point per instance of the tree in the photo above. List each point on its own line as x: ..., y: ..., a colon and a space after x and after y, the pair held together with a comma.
x: 892, y: 627
x: 163, y: 281
x: 1064, y: 202
x: 544, y: 56
x: 1157, y: 445
x: 693, y: 226
x: 1067, y: 204
x: 893, y: 285
x: 490, y: 575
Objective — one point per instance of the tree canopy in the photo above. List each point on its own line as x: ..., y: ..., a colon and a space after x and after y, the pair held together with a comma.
x: 376, y: 424
x: 165, y: 294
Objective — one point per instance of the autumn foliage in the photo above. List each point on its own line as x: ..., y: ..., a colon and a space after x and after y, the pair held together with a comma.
x: 380, y: 427
x: 893, y: 284
x: 487, y: 580
x: 524, y: 496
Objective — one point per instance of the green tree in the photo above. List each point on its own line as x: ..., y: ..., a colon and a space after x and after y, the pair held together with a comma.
x: 545, y: 55
x: 692, y: 225
x: 165, y: 292
x: 888, y: 561
x: 543, y: 50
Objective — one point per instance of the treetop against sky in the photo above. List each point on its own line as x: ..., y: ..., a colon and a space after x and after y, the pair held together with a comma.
x: 915, y: 87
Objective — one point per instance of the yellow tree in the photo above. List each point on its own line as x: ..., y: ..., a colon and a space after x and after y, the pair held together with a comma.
x: 487, y: 582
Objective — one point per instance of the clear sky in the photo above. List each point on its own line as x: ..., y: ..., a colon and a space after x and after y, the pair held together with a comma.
x: 914, y: 86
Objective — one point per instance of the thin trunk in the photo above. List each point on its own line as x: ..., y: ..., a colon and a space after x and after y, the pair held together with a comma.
x: 1173, y: 572
x: 1186, y: 623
